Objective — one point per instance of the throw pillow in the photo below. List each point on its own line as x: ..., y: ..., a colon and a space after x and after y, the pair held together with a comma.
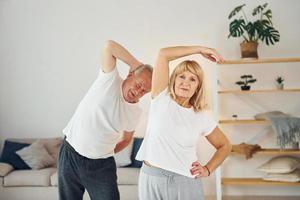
x: 281, y: 164
x: 9, y: 155
x: 136, y: 146
x: 5, y: 168
x: 267, y: 115
x: 285, y: 177
x: 52, y: 145
x: 123, y: 158
x: 36, y: 156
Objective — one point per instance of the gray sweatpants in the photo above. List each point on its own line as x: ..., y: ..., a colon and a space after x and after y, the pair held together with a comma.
x: 160, y: 184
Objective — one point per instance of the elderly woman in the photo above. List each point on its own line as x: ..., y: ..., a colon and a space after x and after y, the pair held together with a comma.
x: 177, y: 118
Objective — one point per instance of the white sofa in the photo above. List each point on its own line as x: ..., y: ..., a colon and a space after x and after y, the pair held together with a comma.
x: 42, y: 184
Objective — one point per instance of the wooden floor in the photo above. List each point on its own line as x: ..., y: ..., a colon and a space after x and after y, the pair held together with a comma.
x: 255, y: 198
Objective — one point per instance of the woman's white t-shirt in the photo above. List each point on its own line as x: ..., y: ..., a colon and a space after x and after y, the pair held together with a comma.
x: 172, y: 133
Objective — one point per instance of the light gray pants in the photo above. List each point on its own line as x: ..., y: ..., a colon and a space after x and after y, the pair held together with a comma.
x: 160, y: 184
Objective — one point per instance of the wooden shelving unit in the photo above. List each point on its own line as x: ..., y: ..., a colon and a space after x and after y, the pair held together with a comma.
x: 258, y: 91
x: 256, y: 181
x: 260, y: 61
x: 274, y: 152
x: 244, y: 121
x: 234, y: 122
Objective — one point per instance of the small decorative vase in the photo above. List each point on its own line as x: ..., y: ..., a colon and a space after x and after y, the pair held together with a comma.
x: 245, y: 87
x: 280, y: 86
x: 249, y: 50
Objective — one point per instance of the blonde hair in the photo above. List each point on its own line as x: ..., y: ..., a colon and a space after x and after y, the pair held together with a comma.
x: 198, y: 99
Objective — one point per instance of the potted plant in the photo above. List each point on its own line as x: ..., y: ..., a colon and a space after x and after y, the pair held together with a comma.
x: 244, y: 84
x: 279, y: 82
x: 261, y: 28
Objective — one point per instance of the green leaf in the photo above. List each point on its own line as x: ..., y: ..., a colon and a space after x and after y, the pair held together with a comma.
x: 251, y: 80
x: 236, y: 28
x: 269, y: 35
x: 240, y: 83
x: 259, y: 9
x: 235, y: 11
x: 268, y: 15
x: 246, y: 76
x: 250, y: 28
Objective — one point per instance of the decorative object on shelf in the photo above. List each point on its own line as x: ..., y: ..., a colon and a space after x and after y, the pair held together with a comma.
x: 293, y: 176
x: 295, y: 145
x: 252, y: 31
x: 286, y: 127
x: 235, y: 116
x: 280, y: 164
x: 244, y: 84
x: 247, y: 149
x: 279, y: 82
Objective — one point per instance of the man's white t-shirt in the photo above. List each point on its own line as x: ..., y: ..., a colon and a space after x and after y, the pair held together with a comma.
x: 95, y: 127
x: 172, y: 134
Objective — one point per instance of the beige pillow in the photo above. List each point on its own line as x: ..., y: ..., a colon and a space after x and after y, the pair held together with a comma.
x: 5, y: 168
x: 36, y: 156
x: 285, y: 177
x: 52, y: 145
x: 281, y: 164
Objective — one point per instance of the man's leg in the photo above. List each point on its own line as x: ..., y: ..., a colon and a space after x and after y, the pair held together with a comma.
x: 100, y: 179
x: 69, y: 185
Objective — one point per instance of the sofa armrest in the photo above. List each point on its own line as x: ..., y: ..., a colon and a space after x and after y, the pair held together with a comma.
x: 5, y: 168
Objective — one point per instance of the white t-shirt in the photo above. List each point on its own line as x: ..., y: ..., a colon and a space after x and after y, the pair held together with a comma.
x: 95, y: 127
x: 172, y: 133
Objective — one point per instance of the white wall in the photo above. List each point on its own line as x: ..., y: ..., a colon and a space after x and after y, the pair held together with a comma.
x: 49, y: 53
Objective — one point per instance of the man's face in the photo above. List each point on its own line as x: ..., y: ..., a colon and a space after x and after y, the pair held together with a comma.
x: 136, y: 86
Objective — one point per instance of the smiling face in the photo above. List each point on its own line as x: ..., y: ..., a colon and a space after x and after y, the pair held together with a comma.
x: 186, y: 84
x: 136, y: 85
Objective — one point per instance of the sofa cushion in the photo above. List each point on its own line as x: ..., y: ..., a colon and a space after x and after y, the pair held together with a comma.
x: 52, y: 145
x: 128, y: 176
x: 36, y: 156
x: 5, y: 168
x: 54, y: 179
x: 123, y: 158
x: 29, y: 177
x: 9, y: 154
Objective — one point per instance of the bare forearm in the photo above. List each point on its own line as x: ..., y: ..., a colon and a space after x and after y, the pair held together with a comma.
x: 172, y: 53
x: 124, y: 142
x: 219, y: 156
x: 121, y: 145
x: 119, y: 52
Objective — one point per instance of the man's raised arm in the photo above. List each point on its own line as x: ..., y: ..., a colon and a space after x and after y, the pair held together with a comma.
x: 113, y: 51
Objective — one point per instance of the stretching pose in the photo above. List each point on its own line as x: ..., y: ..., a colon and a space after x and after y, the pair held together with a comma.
x: 93, y: 133
x: 176, y: 119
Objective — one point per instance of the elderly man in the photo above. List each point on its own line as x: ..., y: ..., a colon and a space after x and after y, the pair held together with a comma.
x: 92, y: 136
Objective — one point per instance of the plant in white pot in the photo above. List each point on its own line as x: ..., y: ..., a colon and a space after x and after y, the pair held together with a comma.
x: 279, y: 82
x: 261, y: 28
x: 247, y: 80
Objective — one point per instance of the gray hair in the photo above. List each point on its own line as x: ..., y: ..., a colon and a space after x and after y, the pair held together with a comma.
x: 142, y: 68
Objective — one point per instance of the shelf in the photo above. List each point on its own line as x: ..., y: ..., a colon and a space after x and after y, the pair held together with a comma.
x: 260, y: 61
x: 244, y: 121
x: 255, y: 181
x: 258, y: 91
x: 274, y: 152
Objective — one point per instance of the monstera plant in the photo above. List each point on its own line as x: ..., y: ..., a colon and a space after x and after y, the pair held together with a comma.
x: 261, y: 28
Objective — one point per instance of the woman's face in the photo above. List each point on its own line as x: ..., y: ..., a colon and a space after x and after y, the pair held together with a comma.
x: 186, y: 84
